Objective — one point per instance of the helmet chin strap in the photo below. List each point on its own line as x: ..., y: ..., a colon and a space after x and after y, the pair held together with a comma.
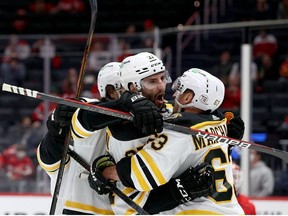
x: 118, y: 93
x: 181, y: 106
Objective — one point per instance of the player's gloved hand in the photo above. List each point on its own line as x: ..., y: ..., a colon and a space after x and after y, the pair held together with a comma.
x: 63, y: 114
x: 235, y: 127
x: 96, y: 180
x: 145, y: 114
x: 55, y: 131
x: 193, y: 183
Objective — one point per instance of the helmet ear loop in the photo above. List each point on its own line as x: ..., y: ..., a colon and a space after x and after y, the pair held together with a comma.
x: 119, y: 89
x: 182, y: 106
x: 177, y: 94
x: 134, y: 87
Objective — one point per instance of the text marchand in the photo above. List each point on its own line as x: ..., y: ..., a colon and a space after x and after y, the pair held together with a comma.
x: 201, y: 140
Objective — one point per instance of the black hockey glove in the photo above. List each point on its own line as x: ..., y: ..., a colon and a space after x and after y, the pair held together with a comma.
x: 63, y: 114
x: 145, y: 114
x: 56, y: 132
x: 96, y: 180
x: 193, y: 183
x: 236, y: 128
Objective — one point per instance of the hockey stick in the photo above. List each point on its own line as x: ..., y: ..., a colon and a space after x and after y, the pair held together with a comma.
x: 93, y: 4
x: 113, y: 188
x: 201, y: 134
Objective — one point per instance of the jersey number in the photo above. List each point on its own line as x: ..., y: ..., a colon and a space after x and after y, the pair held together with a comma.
x: 223, y: 192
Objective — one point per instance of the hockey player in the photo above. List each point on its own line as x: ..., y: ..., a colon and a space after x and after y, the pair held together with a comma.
x: 148, y: 77
x: 167, y: 154
x: 76, y: 197
x: 90, y: 145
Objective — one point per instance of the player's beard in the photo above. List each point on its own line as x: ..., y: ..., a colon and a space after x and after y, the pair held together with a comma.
x: 157, y: 99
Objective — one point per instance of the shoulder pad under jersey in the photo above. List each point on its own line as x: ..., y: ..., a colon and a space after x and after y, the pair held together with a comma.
x: 189, y: 119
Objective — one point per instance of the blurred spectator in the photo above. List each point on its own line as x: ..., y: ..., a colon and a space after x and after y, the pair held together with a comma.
x: 264, y: 43
x: 45, y: 48
x: 267, y: 70
x: 98, y: 57
x: 283, y: 128
x: 27, y: 133
x: 262, y: 10
x: 131, y: 29
x: 91, y: 90
x: 148, y: 37
x: 18, y: 131
x: 39, y: 114
x: 262, y: 178
x: 17, y: 48
x: 124, y: 48
x: 20, y: 22
x: 236, y: 71
x: 223, y: 68
x: 69, y: 84
x: 12, y: 71
x: 69, y: 6
x: 134, y: 41
x: 282, y: 12
x: 283, y: 70
x: 148, y: 25
x: 16, y: 163
x: 41, y: 7
x: 148, y: 42
x: 232, y: 95
x: 244, y: 201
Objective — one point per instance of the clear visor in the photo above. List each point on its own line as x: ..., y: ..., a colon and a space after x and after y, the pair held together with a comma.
x: 155, y: 82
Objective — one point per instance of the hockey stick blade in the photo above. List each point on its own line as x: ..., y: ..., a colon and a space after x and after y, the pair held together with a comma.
x: 113, y: 188
x: 94, y: 108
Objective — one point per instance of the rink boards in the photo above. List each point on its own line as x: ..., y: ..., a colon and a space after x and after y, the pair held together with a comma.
x: 31, y: 204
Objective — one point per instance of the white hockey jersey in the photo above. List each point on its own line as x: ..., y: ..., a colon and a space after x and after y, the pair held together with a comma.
x: 75, y: 194
x: 124, y: 144
x: 169, y: 153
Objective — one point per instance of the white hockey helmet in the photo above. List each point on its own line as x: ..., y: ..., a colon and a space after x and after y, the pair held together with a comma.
x: 137, y: 67
x: 109, y: 75
x: 209, y: 90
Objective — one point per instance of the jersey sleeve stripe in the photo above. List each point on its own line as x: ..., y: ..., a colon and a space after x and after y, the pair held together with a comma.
x: 128, y: 190
x: 140, y: 197
x: 74, y: 134
x: 50, y: 167
x: 207, y: 123
x: 197, y: 212
x: 87, y: 208
x: 77, y: 128
x: 135, y: 169
x: 153, y: 167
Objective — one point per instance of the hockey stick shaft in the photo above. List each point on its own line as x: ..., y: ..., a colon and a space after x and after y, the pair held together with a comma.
x: 93, y: 4
x: 113, y: 188
x: 201, y: 134
x: 73, y: 103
